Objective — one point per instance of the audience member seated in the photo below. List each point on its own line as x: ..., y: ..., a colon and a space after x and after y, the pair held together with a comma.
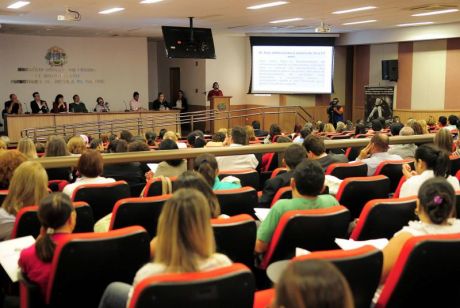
x: 237, y: 162
x: 196, y: 139
x: 96, y: 144
x: 217, y: 140
x: 415, y: 125
x: 316, y: 150
x: 395, y: 128
x: 40, y: 148
x: 257, y: 131
x: 444, y: 140
x: 206, y: 165
x: 360, y: 129
x: 275, y: 130
x: 424, y: 126
x: 76, y: 145
x: 28, y: 186
x: 173, y: 136
x: 56, y: 147
x: 404, y: 150
x: 452, y: 120
x: 27, y: 147
x: 341, y: 127
x: 90, y: 166
x: 194, y: 180
x: 430, y: 162
x: 151, y: 138
x: 57, y: 218
x: 442, y: 122
x: 436, y: 212
x: 293, y: 156
x: 306, y: 131
x: 176, y: 249
x: 376, y: 152
x: 9, y: 161
x: 174, y: 167
x: 307, y: 183
x: 250, y: 133
x: 376, y: 125
x: 312, y: 283
x: 329, y: 128
x: 126, y: 135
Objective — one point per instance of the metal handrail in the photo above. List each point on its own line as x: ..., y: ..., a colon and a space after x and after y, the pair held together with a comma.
x: 139, y: 124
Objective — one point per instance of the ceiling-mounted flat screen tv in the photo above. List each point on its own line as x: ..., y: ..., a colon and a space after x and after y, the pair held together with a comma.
x: 185, y: 42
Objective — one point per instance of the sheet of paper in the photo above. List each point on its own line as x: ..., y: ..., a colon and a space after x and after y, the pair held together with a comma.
x: 261, y: 213
x: 9, y: 254
x: 301, y: 252
x: 153, y: 167
x: 351, y: 244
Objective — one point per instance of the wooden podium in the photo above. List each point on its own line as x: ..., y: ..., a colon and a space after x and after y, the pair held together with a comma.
x: 220, y: 105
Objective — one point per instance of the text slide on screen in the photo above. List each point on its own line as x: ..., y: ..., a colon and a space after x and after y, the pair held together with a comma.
x: 292, y: 69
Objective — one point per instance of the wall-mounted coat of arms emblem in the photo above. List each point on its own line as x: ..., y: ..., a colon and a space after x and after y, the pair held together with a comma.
x: 56, y: 56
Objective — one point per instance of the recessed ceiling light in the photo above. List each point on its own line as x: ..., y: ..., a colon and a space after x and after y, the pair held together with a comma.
x: 358, y: 9
x: 413, y: 24
x: 266, y: 5
x: 18, y: 4
x: 359, y: 22
x: 112, y: 10
x: 436, y: 12
x: 285, y: 20
x: 149, y: 1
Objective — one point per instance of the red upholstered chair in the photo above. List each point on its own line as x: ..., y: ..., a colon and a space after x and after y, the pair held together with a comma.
x: 278, y: 171
x: 457, y: 175
x: 455, y: 164
x: 248, y: 177
x: 3, y: 194
x: 236, y: 237
x: 308, y: 229
x: 237, y: 201
x: 425, y: 274
x: 142, y: 212
x: 352, y: 152
x: 57, y: 185
x: 154, y: 187
x: 264, y: 298
x: 101, y: 197
x: 282, y: 193
x: 346, y: 170
x: 398, y: 188
x: 226, y: 287
x: 382, y: 218
x: 393, y: 170
x: 354, y: 192
x: 85, y: 263
x: 457, y: 204
x: 361, y: 267
x: 27, y: 222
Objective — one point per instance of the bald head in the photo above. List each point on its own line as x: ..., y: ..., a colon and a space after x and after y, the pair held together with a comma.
x: 381, y: 142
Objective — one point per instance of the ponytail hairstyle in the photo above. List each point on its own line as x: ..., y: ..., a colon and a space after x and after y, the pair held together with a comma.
x: 437, y: 200
x: 206, y: 165
x: 192, y: 179
x: 54, y: 211
x: 435, y: 159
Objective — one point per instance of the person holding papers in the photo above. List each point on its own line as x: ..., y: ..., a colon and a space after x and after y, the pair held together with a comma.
x: 307, y: 183
x: 57, y: 218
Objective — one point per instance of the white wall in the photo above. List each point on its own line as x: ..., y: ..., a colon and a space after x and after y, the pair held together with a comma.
x: 192, y: 77
x: 120, y: 65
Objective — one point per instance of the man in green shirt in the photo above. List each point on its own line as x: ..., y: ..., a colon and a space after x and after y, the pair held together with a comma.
x: 307, y: 183
x: 77, y: 105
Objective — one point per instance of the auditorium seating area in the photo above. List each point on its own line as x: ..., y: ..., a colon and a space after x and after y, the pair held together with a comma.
x: 369, y: 208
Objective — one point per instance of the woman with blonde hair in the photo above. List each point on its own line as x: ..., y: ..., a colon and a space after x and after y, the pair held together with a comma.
x: 329, y: 128
x: 444, y: 140
x: 424, y: 126
x: 76, y: 145
x: 28, y: 186
x: 27, y: 147
x: 184, y: 244
x: 250, y: 133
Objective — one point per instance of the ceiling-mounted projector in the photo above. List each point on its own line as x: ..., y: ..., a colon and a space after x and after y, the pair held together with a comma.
x: 323, y: 28
x: 69, y: 15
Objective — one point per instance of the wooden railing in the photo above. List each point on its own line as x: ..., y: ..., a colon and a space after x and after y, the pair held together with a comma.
x: 55, y: 162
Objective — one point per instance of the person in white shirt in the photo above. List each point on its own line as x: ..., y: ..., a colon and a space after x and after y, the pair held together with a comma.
x: 435, y: 210
x: 430, y: 162
x: 175, y: 249
x: 90, y: 167
x: 135, y: 104
x: 452, y: 119
x: 376, y: 152
x: 238, y: 138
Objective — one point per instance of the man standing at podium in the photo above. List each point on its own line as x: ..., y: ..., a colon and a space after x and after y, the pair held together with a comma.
x: 215, y: 91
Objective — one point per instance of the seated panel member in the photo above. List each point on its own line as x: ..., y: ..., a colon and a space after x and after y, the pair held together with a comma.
x: 135, y: 104
x: 13, y: 106
x: 59, y: 105
x: 38, y: 105
x: 77, y: 105
x: 101, y: 106
x: 307, y: 183
x: 160, y: 103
